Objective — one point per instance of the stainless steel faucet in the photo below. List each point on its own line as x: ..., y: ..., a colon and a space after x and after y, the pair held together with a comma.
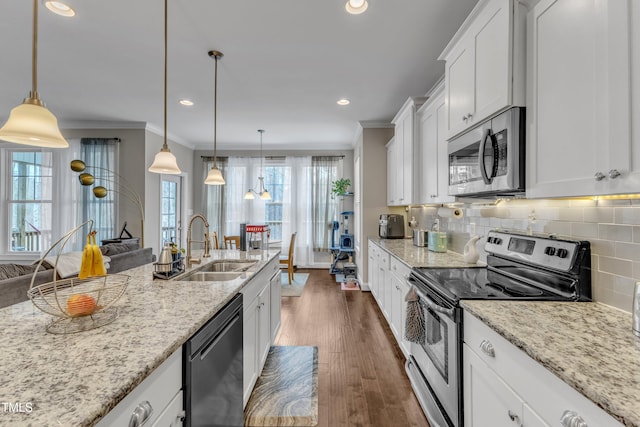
x: 207, y: 244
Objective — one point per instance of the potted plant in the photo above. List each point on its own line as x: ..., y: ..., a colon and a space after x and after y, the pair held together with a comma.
x: 340, y: 186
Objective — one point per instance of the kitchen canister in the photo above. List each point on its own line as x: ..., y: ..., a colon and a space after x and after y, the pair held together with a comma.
x: 438, y: 241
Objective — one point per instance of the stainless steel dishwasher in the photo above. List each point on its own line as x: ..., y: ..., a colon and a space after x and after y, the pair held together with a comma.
x: 213, y: 370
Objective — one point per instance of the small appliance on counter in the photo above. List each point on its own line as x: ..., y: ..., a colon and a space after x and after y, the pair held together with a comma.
x: 391, y: 226
x: 420, y: 238
x: 437, y: 241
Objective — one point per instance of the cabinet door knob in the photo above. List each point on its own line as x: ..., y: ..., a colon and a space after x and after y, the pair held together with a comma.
x: 513, y: 417
x: 464, y: 118
x: 572, y: 419
x: 614, y: 173
x: 141, y: 414
x: 599, y: 176
x: 469, y: 116
x: 487, y: 348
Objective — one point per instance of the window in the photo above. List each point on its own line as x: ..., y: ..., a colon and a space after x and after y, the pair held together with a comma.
x: 275, y: 177
x: 170, y: 218
x: 300, y: 201
x: 30, y: 201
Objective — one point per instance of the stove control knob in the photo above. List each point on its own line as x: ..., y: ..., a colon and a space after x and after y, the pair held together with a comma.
x: 562, y: 253
x: 550, y: 250
x: 490, y: 239
x: 497, y: 240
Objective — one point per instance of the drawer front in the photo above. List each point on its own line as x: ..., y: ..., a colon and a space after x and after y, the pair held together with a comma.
x: 548, y: 395
x: 159, y: 388
x: 259, y: 280
x: 400, y: 269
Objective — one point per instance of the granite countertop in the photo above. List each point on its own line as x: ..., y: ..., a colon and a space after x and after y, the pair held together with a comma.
x: 417, y: 257
x: 588, y: 345
x: 76, y: 379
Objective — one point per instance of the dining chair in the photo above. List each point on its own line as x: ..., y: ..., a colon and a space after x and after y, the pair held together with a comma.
x: 232, y: 242
x: 288, y: 260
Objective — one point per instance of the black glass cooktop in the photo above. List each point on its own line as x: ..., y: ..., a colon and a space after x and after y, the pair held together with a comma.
x: 483, y: 283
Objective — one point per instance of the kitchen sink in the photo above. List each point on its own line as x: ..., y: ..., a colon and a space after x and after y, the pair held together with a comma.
x: 227, y: 265
x: 213, y: 276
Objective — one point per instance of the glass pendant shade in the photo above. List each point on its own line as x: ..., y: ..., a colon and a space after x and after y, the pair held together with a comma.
x: 265, y: 195
x: 165, y: 162
x: 249, y: 195
x: 214, y: 177
x: 32, y: 124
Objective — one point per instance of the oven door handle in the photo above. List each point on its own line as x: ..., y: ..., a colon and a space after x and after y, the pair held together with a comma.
x: 450, y: 312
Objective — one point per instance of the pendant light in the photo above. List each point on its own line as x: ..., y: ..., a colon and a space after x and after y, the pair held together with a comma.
x: 263, y: 193
x: 214, y: 177
x: 31, y: 123
x: 165, y: 161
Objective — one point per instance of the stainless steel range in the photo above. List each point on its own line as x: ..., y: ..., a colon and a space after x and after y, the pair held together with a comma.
x: 519, y: 267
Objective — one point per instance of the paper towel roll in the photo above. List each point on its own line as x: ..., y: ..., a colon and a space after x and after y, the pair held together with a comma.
x: 450, y: 213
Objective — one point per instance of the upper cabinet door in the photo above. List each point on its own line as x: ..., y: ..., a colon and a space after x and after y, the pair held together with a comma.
x: 492, y: 61
x: 484, y: 72
x: 460, y: 88
x: 578, y: 112
x: 433, y: 176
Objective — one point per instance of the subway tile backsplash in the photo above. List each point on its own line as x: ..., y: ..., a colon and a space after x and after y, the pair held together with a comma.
x: 612, y: 227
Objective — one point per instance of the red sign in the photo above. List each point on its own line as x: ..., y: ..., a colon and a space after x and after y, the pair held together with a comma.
x: 257, y: 228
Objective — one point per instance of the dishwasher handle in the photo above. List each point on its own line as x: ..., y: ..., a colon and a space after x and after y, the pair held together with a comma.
x: 214, y: 340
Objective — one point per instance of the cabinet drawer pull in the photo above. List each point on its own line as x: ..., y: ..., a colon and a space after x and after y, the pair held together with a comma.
x: 599, y: 176
x: 141, y: 414
x: 513, y: 417
x: 614, y: 173
x: 572, y: 419
x: 487, y: 348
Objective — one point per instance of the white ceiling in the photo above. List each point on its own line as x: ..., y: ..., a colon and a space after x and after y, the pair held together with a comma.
x: 286, y: 64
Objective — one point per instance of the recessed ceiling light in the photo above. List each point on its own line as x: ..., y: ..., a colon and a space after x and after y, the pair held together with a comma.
x: 59, y: 8
x: 343, y: 101
x: 356, y: 7
x: 186, y: 102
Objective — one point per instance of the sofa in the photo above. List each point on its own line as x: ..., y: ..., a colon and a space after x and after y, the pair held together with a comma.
x: 15, y: 279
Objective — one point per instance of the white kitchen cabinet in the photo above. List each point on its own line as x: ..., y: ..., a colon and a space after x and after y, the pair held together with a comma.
x: 433, y: 175
x: 276, y: 304
x: 498, y: 377
x: 583, y: 75
x: 256, y: 325
x: 173, y: 414
x: 393, y: 173
x: 488, y: 401
x: 152, y: 396
x: 484, y: 71
x: 402, y: 165
x: 373, y: 269
x: 399, y: 273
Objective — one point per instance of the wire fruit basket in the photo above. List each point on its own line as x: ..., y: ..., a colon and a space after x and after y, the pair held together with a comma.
x: 77, y: 304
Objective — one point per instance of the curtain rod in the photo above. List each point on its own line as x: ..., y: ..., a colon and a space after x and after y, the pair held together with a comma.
x: 105, y: 139
x: 273, y: 157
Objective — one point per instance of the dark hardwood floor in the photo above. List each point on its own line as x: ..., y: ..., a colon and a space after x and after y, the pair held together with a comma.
x: 361, y: 377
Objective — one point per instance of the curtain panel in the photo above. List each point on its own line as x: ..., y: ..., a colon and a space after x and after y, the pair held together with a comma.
x: 102, y: 154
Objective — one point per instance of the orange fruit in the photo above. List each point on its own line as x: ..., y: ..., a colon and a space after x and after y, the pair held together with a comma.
x: 80, y: 305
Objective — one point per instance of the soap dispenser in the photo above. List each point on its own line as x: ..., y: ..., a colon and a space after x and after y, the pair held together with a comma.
x: 470, y: 253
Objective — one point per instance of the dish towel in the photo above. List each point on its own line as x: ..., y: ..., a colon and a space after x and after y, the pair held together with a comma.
x: 414, y: 328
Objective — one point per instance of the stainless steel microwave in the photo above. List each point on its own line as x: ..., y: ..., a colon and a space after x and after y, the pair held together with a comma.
x: 489, y: 160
